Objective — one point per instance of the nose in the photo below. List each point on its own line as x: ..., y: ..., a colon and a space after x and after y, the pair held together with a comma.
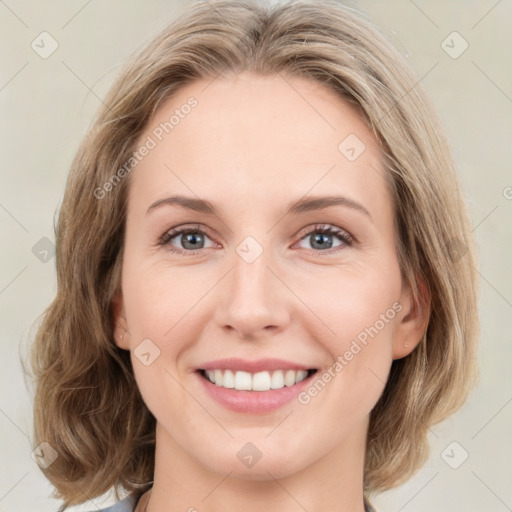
x: 254, y: 302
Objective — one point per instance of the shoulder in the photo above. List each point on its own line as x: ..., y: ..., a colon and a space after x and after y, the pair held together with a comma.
x: 127, y: 504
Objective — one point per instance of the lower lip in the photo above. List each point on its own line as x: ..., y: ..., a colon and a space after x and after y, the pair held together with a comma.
x: 253, y: 402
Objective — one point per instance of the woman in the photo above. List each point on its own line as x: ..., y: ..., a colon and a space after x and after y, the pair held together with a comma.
x: 265, y: 292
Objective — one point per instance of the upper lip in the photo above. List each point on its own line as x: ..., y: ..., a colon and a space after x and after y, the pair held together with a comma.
x: 254, y: 366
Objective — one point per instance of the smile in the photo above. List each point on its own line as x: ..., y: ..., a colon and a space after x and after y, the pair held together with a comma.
x: 253, y: 386
x: 259, y: 381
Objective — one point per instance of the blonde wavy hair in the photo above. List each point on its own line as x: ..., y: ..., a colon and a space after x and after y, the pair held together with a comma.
x: 87, y: 405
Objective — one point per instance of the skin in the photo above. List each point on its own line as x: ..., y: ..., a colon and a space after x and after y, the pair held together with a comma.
x: 252, y: 146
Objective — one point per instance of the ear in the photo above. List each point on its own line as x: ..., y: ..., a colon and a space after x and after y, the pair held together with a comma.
x: 413, y: 320
x: 121, y: 334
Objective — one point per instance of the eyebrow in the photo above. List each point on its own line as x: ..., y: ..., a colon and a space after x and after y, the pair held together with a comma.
x: 306, y: 204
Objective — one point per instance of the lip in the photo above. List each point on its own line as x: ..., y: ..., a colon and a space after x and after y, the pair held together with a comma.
x: 255, y: 366
x: 252, y: 402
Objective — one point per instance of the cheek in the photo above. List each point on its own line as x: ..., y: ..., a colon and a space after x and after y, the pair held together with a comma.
x: 361, y: 312
x: 159, y: 300
x: 348, y: 304
x: 161, y: 307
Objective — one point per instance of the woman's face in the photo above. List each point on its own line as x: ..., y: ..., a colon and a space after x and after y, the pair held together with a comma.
x: 285, y: 290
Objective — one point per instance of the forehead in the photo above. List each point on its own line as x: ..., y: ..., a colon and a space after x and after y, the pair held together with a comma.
x: 260, y: 137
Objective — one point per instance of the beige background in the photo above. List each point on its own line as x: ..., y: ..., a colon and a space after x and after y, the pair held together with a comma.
x: 47, y: 104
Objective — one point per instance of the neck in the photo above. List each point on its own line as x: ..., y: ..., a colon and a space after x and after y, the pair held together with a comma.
x: 334, y: 482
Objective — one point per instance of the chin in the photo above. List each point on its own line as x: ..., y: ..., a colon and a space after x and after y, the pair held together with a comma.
x: 255, y: 460
x: 266, y: 468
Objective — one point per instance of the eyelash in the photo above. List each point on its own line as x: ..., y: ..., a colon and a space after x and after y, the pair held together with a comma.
x: 326, y: 229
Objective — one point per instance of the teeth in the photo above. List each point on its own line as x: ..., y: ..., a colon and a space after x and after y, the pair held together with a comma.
x: 261, y: 381
x: 301, y: 375
x: 228, y: 380
x: 277, y: 381
x: 243, y: 381
x: 289, y: 378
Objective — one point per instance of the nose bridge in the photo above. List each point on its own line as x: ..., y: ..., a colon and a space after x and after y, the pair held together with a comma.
x: 253, y: 302
x: 251, y: 279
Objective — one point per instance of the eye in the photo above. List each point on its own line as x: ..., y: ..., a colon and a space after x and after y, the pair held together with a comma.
x: 191, y: 239
x: 322, y: 237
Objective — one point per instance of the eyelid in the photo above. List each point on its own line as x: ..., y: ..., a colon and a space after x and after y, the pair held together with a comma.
x: 347, y: 238
x: 165, y: 239
x: 329, y: 228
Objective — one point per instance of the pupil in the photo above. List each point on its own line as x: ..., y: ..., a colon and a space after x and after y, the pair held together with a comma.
x: 192, y: 238
x: 320, y: 239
